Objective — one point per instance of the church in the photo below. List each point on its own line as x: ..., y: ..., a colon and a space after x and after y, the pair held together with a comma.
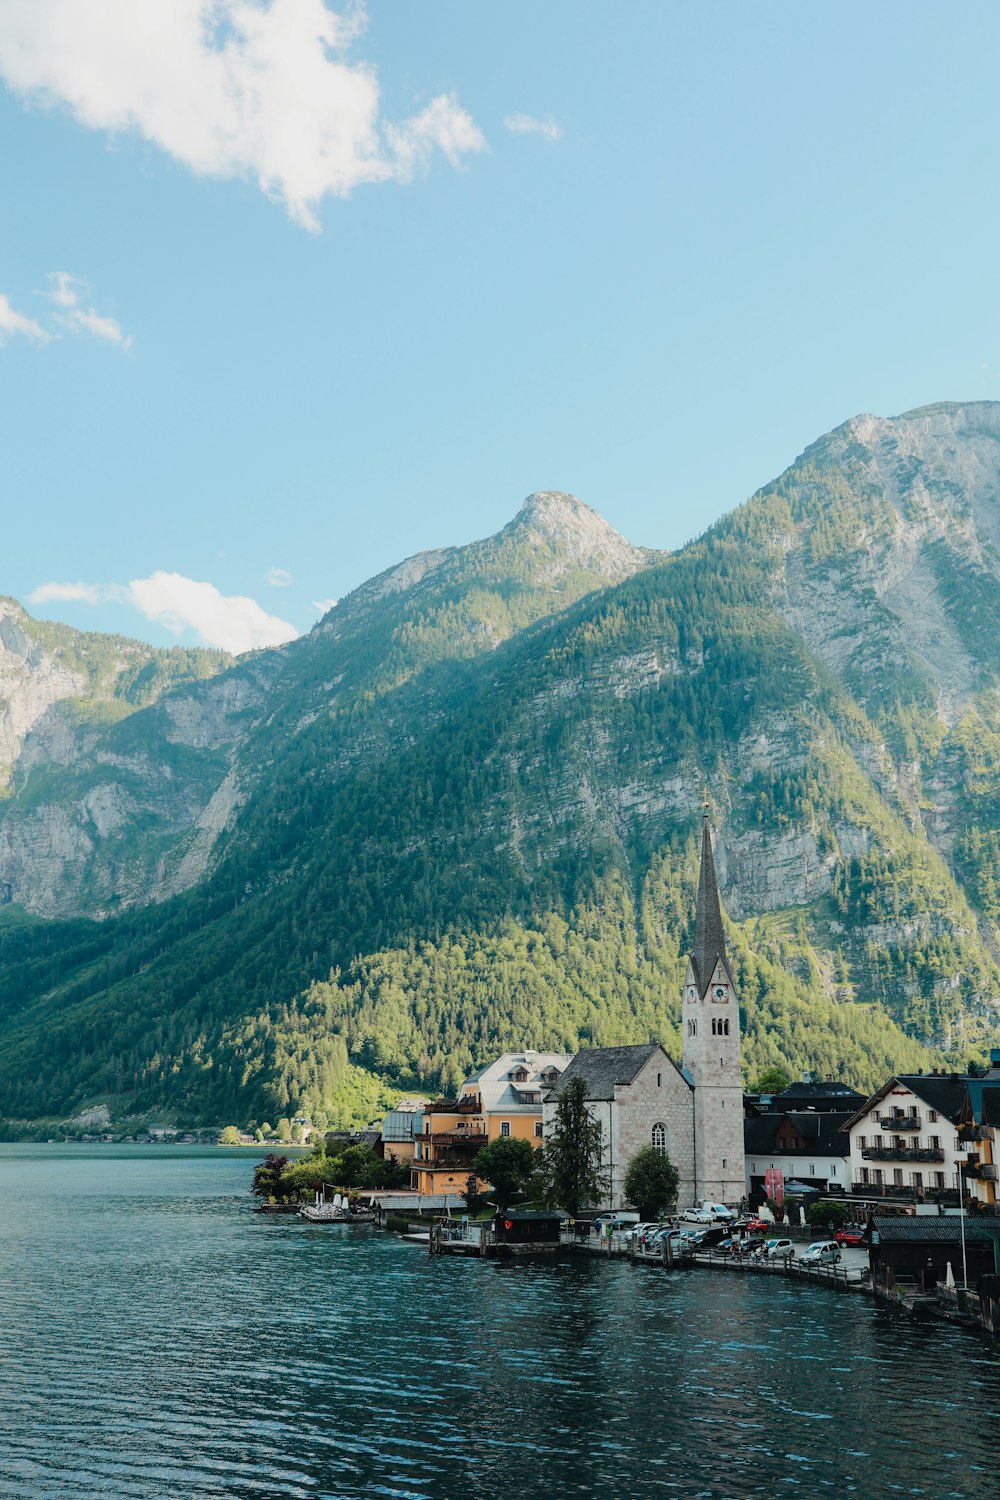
x: 691, y: 1110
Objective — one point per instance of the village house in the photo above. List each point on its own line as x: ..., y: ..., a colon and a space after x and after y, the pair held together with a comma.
x: 502, y: 1099
x: 978, y: 1124
x: 806, y: 1146
x: 510, y: 1092
x: 691, y: 1111
x: 904, y: 1142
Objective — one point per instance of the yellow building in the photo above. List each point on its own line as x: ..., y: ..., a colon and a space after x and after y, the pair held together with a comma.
x: 509, y: 1092
x: 978, y: 1126
x: 502, y: 1099
x: 453, y: 1132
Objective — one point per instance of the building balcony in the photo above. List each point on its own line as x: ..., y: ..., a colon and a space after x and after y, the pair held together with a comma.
x: 900, y: 1122
x: 983, y: 1170
x: 902, y: 1153
x: 947, y: 1197
x: 459, y: 1135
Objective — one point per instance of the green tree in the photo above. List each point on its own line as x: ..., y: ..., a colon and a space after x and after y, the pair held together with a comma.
x: 267, y: 1176
x: 651, y: 1182
x: 284, y: 1131
x: 230, y: 1136
x: 825, y: 1212
x: 771, y: 1081
x: 506, y: 1164
x: 574, y: 1153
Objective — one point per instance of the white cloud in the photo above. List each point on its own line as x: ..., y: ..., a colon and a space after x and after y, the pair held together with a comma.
x: 12, y: 322
x: 323, y: 606
x: 70, y: 593
x: 532, y: 125
x: 65, y: 291
x: 232, y: 622
x: 278, y: 578
x: 259, y: 89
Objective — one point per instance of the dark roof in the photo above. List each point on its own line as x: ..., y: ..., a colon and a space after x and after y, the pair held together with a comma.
x: 827, y: 1090
x: 709, y: 937
x: 944, y: 1092
x: 518, y: 1215
x: 601, y: 1068
x: 822, y: 1129
x: 935, y: 1228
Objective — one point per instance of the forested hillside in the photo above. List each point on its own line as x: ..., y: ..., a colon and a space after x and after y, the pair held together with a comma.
x: 467, y: 807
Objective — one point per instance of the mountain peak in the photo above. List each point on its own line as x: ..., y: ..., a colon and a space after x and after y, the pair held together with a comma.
x: 579, y: 532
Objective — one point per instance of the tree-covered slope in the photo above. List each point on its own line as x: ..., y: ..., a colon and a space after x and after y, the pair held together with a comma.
x: 112, y: 808
x: 467, y: 808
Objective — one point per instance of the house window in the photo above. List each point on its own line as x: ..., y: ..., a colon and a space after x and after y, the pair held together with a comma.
x: 917, y: 1179
x: 505, y: 1127
x: 660, y: 1137
x: 861, y: 1143
x: 939, y: 1179
x: 659, y: 1080
x: 538, y: 1130
x: 692, y: 1028
x: 932, y: 1116
x: 897, y: 1176
x: 935, y: 1141
x: 812, y: 1170
x: 877, y: 1142
x: 864, y: 1175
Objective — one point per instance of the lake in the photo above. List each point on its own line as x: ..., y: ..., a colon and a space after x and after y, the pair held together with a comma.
x: 160, y: 1340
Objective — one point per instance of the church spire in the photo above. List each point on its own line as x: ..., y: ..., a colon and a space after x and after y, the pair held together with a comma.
x: 709, y: 938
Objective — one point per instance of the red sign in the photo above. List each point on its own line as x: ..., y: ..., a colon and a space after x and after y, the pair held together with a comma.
x: 774, y: 1184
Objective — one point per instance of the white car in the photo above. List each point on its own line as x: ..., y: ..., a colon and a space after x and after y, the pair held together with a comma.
x: 779, y: 1250
x: 821, y: 1253
x: 697, y: 1216
x: 719, y: 1212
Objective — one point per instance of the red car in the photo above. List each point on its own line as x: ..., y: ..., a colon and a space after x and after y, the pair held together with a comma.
x: 853, y: 1236
x: 757, y: 1226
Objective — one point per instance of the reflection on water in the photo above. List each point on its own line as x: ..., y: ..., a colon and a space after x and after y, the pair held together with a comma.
x: 158, y: 1341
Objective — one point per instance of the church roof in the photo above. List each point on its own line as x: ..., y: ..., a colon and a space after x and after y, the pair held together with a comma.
x: 601, y: 1068
x: 709, y: 937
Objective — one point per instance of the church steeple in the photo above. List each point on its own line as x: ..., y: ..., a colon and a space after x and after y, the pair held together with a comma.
x: 709, y: 937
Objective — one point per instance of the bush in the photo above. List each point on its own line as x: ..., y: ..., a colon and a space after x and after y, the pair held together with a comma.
x: 825, y: 1212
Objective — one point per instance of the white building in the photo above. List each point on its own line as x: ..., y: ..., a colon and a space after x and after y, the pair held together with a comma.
x: 692, y: 1111
x: 809, y: 1146
x: 903, y: 1139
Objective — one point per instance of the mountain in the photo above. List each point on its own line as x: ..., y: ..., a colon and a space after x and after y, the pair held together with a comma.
x: 461, y: 813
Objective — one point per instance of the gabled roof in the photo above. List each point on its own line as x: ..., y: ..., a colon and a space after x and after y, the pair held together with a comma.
x: 823, y: 1131
x: 944, y: 1092
x: 498, y: 1092
x: 709, y: 935
x: 601, y: 1068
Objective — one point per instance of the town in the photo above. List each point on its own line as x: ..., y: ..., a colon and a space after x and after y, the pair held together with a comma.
x: 907, y: 1174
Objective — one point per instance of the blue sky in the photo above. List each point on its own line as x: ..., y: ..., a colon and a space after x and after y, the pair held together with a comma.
x: 304, y: 350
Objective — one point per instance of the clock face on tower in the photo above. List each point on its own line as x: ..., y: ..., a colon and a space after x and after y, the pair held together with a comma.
x: 720, y: 992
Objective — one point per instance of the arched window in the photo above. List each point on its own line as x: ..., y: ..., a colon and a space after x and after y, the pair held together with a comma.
x: 660, y: 1138
x: 725, y: 1028
x: 692, y: 1028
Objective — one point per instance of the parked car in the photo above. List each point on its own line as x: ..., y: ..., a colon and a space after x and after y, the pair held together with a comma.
x: 638, y: 1232
x: 719, y: 1212
x: 779, y: 1250
x: 757, y: 1225
x: 852, y: 1235
x: 821, y: 1253
x: 697, y: 1216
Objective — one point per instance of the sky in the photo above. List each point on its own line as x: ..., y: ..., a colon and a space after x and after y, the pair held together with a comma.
x: 290, y: 290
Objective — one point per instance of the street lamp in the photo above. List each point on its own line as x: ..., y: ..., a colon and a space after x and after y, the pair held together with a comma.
x: 961, y: 1220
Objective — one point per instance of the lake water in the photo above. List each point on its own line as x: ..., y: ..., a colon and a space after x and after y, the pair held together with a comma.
x: 158, y: 1340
